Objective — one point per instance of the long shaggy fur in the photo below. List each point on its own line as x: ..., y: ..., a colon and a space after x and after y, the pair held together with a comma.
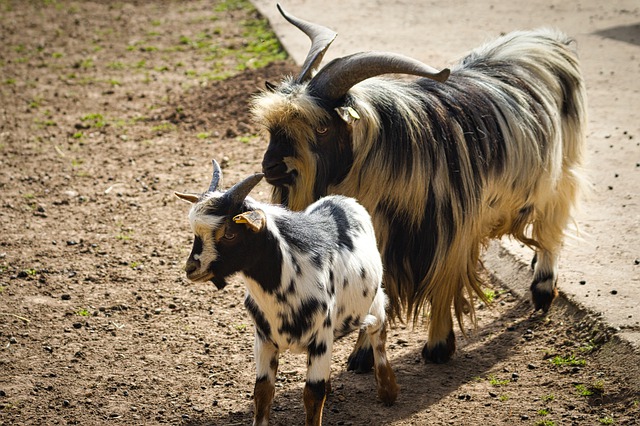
x: 443, y: 167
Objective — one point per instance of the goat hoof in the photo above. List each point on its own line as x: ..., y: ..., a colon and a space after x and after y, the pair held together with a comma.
x: 361, y: 361
x: 543, y: 291
x: 542, y: 299
x: 441, y: 352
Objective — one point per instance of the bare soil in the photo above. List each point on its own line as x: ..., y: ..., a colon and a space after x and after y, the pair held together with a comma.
x: 106, y: 109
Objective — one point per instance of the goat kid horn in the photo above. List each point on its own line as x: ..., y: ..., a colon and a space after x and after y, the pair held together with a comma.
x: 321, y: 37
x: 240, y: 190
x: 335, y: 79
x: 216, y: 178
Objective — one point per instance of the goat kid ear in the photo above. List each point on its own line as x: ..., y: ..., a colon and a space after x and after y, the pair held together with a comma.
x: 348, y: 114
x: 190, y: 198
x: 255, y: 220
x: 270, y: 86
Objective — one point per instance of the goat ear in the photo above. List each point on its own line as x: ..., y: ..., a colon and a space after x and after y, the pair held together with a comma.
x: 255, y: 220
x: 348, y: 114
x: 270, y: 86
x: 190, y: 198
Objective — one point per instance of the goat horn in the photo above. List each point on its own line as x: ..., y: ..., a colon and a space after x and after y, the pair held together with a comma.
x: 240, y: 190
x: 321, y: 37
x: 217, y: 177
x: 335, y: 79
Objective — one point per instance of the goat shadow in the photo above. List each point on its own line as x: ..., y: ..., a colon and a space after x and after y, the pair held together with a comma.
x: 421, y: 385
x: 627, y: 33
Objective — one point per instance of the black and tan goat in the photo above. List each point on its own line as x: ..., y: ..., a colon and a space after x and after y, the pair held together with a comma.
x: 444, y: 163
x: 311, y: 277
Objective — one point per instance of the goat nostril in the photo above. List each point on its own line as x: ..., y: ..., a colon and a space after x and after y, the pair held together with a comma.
x: 191, y: 266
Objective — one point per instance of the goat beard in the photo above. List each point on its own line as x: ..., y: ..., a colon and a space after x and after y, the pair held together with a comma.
x: 219, y: 282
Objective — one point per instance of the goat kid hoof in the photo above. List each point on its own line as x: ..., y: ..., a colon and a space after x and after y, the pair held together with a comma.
x: 441, y: 352
x: 361, y: 361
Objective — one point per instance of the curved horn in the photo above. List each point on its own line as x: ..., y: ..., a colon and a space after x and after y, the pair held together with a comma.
x: 240, y: 190
x: 217, y: 177
x: 321, y: 37
x: 335, y: 79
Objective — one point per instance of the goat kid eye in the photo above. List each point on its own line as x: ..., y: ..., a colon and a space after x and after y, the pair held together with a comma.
x: 322, y: 130
x: 229, y: 236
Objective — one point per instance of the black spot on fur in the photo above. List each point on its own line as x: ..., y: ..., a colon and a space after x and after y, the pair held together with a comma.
x: 263, y: 328
x: 316, y: 349
x: 197, y: 246
x: 300, y: 321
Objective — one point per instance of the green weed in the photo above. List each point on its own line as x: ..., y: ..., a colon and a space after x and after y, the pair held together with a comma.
x: 94, y: 120
x: 606, y: 420
x: 560, y: 361
x: 494, y: 381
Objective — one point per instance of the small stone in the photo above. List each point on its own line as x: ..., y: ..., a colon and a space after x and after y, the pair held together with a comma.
x: 66, y: 403
x: 77, y: 325
x: 614, y: 292
x: 2, y: 393
x: 66, y: 297
x: 532, y: 366
x: 582, y: 282
x: 12, y: 340
x: 524, y: 417
x: 157, y: 311
x: 515, y: 377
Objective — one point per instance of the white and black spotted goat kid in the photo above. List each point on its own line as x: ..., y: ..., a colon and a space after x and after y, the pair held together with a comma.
x: 311, y: 278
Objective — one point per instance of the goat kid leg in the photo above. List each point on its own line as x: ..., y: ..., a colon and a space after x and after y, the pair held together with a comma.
x: 375, y: 327
x: 318, y: 378
x: 361, y: 358
x: 266, y: 356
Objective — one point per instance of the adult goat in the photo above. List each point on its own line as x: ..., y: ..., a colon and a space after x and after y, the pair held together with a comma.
x: 443, y: 164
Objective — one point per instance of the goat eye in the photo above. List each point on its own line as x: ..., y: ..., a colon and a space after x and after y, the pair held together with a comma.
x: 229, y: 236
x: 322, y: 130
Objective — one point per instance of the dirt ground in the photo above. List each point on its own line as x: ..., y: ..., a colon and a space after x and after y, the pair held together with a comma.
x: 106, y: 109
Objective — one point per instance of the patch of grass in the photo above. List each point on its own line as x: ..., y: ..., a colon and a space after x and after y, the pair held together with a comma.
x: 117, y: 65
x: 83, y: 313
x: 490, y: 295
x: 94, y: 120
x: 560, y: 361
x: 494, y: 381
x: 78, y: 135
x: 543, y: 412
x: 31, y: 272
x: 164, y: 128
x: 503, y: 397
x: 10, y: 81
x: 606, y: 420
x: 135, y: 264
x: 203, y: 135
x: 549, y: 397
x: 57, y: 55
x: 545, y: 422
x: 227, y: 5
x: 583, y: 390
